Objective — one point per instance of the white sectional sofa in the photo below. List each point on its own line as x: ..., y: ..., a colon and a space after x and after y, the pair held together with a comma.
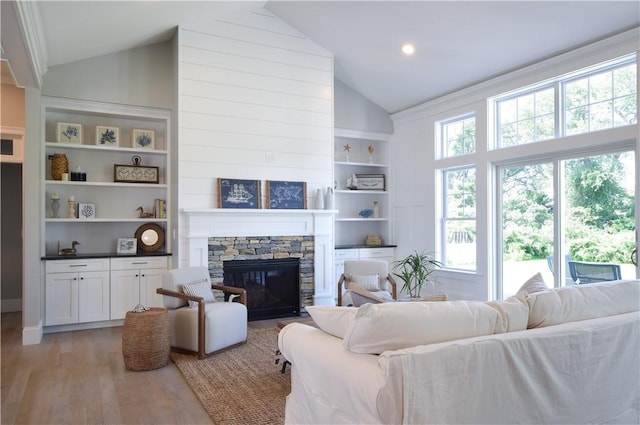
x: 561, y: 356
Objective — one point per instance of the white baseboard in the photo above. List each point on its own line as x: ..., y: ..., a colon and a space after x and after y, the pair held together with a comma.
x: 11, y: 305
x: 32, y: 335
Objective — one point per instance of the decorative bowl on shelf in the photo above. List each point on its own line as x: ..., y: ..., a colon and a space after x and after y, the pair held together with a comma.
x: 366, y: 213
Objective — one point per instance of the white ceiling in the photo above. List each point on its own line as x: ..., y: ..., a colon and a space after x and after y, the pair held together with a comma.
x: 457, y: 43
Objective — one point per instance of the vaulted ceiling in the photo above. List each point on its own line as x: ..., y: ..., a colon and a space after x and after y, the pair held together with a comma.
x: 458, y: 43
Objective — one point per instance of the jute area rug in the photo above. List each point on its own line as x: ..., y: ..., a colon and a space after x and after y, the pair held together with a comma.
x: 242, y: 385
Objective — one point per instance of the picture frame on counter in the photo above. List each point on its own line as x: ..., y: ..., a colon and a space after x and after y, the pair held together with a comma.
x: 107, y: 135
x: 69, y: 132
x: 370, y: 182
x: 127, y: 246
x: 143, y: 138
x: 238, y: 193
x: 286, y: 195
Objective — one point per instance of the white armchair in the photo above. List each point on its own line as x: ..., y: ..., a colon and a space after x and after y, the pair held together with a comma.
x: 372, y: 275
x: 209, y: 327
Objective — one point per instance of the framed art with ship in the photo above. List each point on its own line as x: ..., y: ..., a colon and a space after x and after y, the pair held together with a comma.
x: 237, y: 193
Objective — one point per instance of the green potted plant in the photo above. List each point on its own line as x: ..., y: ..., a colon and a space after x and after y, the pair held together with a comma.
x: 415, y: 271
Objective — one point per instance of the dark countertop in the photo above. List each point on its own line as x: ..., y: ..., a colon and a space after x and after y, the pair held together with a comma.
x: 364, y: 246
x: 105, y: 255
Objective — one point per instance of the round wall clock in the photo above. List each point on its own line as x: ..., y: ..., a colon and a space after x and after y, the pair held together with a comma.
x: 150, y: 237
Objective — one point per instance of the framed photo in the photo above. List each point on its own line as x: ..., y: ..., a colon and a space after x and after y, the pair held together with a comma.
x: 107, y: 136
x: 369, y: 182
x: 235, y: 193
x: 143, y: 139
x: 69, y: 132
x: 286, y: 195
x: 135, y: 174
x: 86, y: 211
x: 127, y: 246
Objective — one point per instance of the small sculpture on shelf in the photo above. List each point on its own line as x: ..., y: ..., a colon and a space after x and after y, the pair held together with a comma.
x: 55, y: 204
x: 71, y: 207
x: 347, y: 149
x: 143, y: 214
x: 371, y: 149
x: 68, y: 251
x: 352, y: 182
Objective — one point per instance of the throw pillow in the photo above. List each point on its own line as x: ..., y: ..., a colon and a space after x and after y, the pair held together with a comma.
x: 368, y: 282
x: 534, y: 284
x: 514, y: 312
x: 200, y: 288
x: 582, y: 302
x: 360, y: 296
x: 332, y: 320
x: 393, y: 326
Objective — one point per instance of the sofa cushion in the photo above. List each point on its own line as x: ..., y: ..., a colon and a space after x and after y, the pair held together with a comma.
x: 514, y: 312
x: 390, y: 326
x: 534, y: 284
x: 332, y: 320
x: 200, y: 288
x: 582, y: 302
x: 368, y: 282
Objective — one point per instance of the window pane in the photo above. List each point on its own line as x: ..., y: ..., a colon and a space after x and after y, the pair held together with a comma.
x: 603, y: 100
x: 460, y: 245
x: 459, y: 136
x: 527, y: 118
x: 527, y: 224
x: 600, y: 209
x: 459, y: 224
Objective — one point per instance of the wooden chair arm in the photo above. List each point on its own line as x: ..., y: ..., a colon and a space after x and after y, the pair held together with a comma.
x: 394, y: 286
x: 340, y: 283
x: 180, y: 295
x: 234, y: 290
x: 200, y: 302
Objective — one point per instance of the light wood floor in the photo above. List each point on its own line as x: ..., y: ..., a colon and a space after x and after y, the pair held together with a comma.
x: 79, y: 378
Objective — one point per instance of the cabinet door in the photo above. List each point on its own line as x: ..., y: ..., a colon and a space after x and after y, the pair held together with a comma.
x: 93, y: 297
x: 125, y: 292
x: 150, y: 280
x: 61, y: 298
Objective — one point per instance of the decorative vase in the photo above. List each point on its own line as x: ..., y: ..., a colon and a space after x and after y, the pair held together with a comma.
x: 328, y: 199
x: 55, y: 207
x: 59, y: 165
x: 319, y: 199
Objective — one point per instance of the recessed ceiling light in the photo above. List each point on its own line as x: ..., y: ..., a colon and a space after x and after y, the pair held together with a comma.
x: 408, y: 49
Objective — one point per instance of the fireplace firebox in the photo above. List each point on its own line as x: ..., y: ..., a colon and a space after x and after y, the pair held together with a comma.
x: 273, y: 286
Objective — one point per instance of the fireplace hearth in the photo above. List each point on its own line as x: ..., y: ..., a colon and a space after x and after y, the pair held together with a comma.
x: 273, y: 286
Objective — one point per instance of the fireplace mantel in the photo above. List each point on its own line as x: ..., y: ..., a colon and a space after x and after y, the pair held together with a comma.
x: 219, y: 222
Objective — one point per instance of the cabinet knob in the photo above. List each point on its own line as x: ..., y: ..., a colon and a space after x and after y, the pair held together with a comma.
x: 143, y: 275
x: 82, y: 278
x: 137, y: 275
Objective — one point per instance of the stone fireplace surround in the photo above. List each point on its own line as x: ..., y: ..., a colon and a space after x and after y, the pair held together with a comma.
x: 223, y: 249
x: 234, y: 226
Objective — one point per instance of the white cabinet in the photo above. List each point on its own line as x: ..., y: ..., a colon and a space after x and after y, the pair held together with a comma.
x: 351, y: 227
x: 76, y: 291
x: 134, y: 281
x: 115, y: 203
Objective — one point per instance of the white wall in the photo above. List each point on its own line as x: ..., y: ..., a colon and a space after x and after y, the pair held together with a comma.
x: 415, y: 185
x: 141, y: 76
x: 354, y: 111
x: 255, y: 101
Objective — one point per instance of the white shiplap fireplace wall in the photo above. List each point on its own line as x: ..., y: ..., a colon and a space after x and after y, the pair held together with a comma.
x: 255, y: 101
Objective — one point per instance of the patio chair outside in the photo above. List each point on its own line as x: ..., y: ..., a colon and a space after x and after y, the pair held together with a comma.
x: 583, y: 272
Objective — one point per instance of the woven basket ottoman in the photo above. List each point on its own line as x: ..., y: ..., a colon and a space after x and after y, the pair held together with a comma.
x: 146, y: 342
